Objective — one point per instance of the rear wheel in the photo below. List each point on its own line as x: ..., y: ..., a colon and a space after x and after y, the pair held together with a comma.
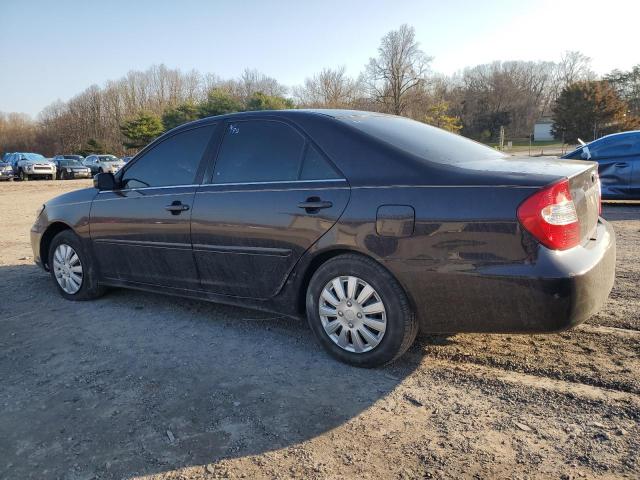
x: 72, y: 268
x: 358, y: 312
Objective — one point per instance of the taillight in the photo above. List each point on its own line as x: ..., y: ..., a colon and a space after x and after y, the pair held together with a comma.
x: 550, y: 216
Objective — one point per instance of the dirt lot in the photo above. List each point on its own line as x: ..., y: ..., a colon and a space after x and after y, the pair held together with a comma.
x: 137, y: 385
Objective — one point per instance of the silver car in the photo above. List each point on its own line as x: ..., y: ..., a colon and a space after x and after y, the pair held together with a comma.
x: 103, y: 163
x: 32, y: 165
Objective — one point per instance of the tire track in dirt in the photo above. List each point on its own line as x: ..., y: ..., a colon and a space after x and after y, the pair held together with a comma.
x: 583, y: 390
x: 513, y: 368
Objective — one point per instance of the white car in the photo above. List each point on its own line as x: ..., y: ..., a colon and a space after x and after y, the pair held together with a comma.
x: 103, y: 163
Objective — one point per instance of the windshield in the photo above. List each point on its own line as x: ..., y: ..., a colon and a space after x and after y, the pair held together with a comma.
x: 73, y: 157
x: 425, y: 141
x: 70, y: 163
x: 35, y: 157
x: 107, y: 158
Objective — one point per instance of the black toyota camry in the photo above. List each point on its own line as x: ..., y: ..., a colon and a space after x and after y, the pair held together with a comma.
x: 372, y: 226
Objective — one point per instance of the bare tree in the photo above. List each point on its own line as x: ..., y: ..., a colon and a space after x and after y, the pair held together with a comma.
x: 400, y: 67
x: 252, y: 81
x: 574, y: 67
x: 330, y: 88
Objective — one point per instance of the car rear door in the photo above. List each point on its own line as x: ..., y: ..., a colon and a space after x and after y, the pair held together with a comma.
x: 614, y: 155
x: 271, y: 195
x: 634, y: 160
x: 141, y: 231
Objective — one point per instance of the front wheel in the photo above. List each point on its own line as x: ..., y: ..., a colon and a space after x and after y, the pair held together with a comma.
x: 358, y: 312
x: 72, y: 269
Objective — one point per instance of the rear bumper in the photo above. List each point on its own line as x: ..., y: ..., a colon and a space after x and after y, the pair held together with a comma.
x: 554, y: 292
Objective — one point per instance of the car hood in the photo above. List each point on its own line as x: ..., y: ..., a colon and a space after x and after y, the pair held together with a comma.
x: 4, y: 164
x: 34, y: 162
x: 77, y: 196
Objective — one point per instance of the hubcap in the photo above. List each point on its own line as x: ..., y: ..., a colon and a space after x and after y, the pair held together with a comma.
x: 352, y: 314
x: 67, y: 268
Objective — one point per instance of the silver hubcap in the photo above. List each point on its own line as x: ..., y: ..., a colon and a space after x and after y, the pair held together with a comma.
x: 352, y: 314
x: 67, y: 268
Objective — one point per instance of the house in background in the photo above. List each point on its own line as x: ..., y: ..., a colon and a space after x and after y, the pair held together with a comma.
x: 542, y: 130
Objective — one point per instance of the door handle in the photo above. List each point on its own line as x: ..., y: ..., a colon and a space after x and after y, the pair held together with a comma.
x: 314, y: 205
x: 176, y: 208
x: 621, y: 164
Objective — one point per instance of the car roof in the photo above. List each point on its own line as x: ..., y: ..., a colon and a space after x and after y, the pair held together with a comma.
x: 285, y: 114
x: 616, y: 135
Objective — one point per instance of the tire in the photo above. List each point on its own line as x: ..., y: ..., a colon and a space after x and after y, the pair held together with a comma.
x: 23, y: 176
x: 401, y: 326
x: 88, y: 285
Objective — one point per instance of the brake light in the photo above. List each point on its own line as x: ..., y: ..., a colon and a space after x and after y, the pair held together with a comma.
x: 550, y: 216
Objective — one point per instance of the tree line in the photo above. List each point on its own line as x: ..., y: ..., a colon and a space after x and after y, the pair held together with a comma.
x: 125, y: 114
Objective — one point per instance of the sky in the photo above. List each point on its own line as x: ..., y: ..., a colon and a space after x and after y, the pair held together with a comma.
x: 52, y: 50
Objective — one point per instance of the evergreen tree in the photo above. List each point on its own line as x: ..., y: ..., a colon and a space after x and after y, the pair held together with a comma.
x: 141, y: 130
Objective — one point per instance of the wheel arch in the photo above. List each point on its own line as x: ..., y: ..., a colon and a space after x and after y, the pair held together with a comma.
x: 322, y: 257
x: 48, y: 235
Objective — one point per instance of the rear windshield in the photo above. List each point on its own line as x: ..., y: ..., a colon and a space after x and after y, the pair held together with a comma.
x: 107, y: 158
x: 425, y: 141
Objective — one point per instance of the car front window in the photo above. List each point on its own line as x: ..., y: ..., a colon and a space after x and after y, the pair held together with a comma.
x: 173, y: 161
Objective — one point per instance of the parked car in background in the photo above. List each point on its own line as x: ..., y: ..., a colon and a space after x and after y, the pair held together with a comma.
x: 103, y: 163
x: 79, y: 158
x: 6, y: 171
x: 67, y: 169
x: 370, y: 225
x: 32, y: 165
x: 618, y: 157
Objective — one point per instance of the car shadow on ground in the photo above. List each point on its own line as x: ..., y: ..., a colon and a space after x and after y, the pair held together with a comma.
x: 136, y: 383
x: 619, y: 210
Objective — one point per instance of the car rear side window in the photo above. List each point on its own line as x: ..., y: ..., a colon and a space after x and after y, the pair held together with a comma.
x: 258, y: 151
x: 424, y: 141
x: 174, y: 161
x: 315, y: 167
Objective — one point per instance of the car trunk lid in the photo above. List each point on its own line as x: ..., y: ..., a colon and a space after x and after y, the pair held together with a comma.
x: 534, y: 171
x: 585, y: 191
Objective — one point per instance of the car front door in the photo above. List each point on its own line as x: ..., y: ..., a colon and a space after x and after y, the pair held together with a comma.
x: 271, y: 195
x: 141, y: 231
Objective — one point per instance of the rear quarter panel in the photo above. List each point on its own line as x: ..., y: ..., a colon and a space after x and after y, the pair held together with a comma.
x: 461, y: 235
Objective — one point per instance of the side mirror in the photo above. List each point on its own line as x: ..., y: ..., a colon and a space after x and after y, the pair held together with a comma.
x: 104, y: 181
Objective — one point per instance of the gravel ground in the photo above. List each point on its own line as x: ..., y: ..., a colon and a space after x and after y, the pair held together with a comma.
x: 137, y: 385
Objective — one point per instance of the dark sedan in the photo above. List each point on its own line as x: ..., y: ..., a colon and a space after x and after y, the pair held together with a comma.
x: 618, y: 158
x: 67, y: 168
x: 373, y: 226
